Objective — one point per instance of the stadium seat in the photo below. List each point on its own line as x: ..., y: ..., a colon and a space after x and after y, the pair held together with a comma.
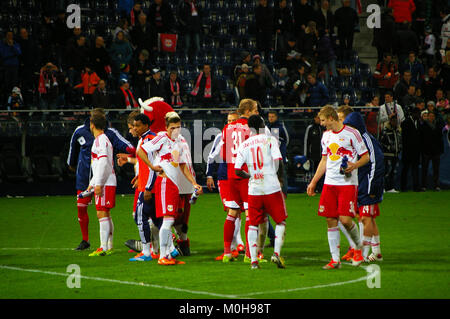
x: 12, y: 164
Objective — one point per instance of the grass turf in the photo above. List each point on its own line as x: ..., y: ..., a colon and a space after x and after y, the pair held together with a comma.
x: 37, y: 234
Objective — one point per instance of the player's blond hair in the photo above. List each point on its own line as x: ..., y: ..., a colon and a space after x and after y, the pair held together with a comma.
x: 131, y: 116
x: 172, y: 117
x: 246, y: 105
x: 345, y: 109
x: 99, y: 111
x: 328, y: 111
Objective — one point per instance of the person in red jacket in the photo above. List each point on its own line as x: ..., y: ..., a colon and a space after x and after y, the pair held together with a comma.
x: 403, y: 10
x: 89, y: 81
x: 386, y: 74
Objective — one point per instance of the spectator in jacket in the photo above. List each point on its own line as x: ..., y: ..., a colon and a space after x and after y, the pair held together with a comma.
x: 415, y: 66
x: 206, y: 90
x: 383, y: 37
x: 303, y: 12
x: 279, y: 131
x: 265, y: 78
x: 189, y: 15
x: 432, y: 148
x: 317, y: 92
x: 429, y: 46
x: 346, y: 19
x: 406, y: 41
x: 51, y: 86
x: 431, y: 83
x: 174, y: 90
x: 403, y: 10
x: 325, y: 18
x: 281, y: 89
x: 125, y: 98
x: 445, y: 29
x: 264, y: 26
x: 386, y: 74
x: 161, y: 16
x: 391, y: 143
x: 246, y: 58
x: 15, y: 102
x: 297, y: 96
x: 291, y: 56
x: 121, y: 53
x: 411, y: 150
x: 140, y: 70
x: 89, y: 81
x: 135, y: 12
x: 410, y: 99
x: 389, y: 109
x: 77, y: 57
x: 401, y: 88
x: 308, y: 40
x: 100, y: 97
x: 253, y: 88
x: 156, y: 84
x: 326, y: 56
x: 142, y: 35
x: 99, y: 58
x: 240, y: 82
x: 28, y: 64
x: 10, y: 53
x: 312, y: 144
x: 283, y: 24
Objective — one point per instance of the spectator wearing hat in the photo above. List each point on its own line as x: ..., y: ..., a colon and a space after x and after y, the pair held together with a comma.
x: 100, y: 97
x: 156, y: 84
x: 264, y: 26
x: 141, y: 73
x: 174, y: 90
x: 206, y: 88
x: 346, y: 100
x: 89, y: 81
x: 125, y: 98
x: 15, y: 101
x: 240, y: 82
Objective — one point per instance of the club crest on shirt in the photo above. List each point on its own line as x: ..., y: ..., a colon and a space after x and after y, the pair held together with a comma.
x: 176, y: 158
x: 170, y: 208
x: 321, y: 208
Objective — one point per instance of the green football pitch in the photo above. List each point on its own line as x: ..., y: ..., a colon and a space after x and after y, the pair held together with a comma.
x: 38, y: 235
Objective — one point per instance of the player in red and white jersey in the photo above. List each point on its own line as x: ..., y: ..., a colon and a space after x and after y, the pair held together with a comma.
x: 103, y: 182
x: 233, y: 135
x: 168, y: 163
x: 261, y: 154
x: 338, y: 199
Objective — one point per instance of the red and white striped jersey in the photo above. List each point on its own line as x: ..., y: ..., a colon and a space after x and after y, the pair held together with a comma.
x: 102, y: 162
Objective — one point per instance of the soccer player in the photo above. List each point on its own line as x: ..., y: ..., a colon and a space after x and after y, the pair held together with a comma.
x: 103, y: 182
x: 340, y: 145
x: 145, y: 208
x: 237, y: 245
x: 261, y: 154
x: 168, y: 163
x: 370, y: 189
x: 233, y: 135
x: 79, y: 159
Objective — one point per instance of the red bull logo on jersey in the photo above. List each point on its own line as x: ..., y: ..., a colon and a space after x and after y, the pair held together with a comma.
x: 335, y: 152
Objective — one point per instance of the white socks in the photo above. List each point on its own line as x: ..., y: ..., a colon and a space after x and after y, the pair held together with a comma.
x: 347, y: 235
x: 376, y: 245
x: 111, y: 234
x: 252, y: 236
x: 366, y: 246
x: 105, y: 231
x: 262, y: 234
x: 280, y: 230
x: 354, y: 234
x: 334, y: 238
x: 165, y: 237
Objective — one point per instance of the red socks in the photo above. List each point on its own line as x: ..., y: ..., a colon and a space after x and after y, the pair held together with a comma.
x: 83, y: 219
x: 228, y: 232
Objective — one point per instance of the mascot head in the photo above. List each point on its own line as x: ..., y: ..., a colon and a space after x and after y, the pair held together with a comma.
x: 155, y: 108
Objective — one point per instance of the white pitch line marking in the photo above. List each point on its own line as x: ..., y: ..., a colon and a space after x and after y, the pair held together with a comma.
x: 238, y: 296
x: 141, y: 284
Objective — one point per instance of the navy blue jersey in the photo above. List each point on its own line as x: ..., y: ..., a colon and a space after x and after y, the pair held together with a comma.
x: 214, y: 158
x: 80, y: 151
x: 371, y: 175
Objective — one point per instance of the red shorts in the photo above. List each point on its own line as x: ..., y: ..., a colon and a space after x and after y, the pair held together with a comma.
x: 261, y: 205
x: 108, y: 199
x: 223, y: 191
x: 369, y: 211
x: 338, y: 201
x: 83, y: 202
x: 238, y: 194
x: 184, y: 209
x: 167, y: 197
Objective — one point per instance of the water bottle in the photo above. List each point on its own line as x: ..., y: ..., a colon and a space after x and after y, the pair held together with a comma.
x: 194, y: 197
x: 86, y: 193
x: 344, y: 166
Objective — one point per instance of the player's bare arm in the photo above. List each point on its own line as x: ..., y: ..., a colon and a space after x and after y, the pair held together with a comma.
x: 242, y: 173
x: 321, y: 169
x: 210, y: 183
x: 187, y: 173
x: 134, y: 181
x: 123, y: 158
x: 361, y: 162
